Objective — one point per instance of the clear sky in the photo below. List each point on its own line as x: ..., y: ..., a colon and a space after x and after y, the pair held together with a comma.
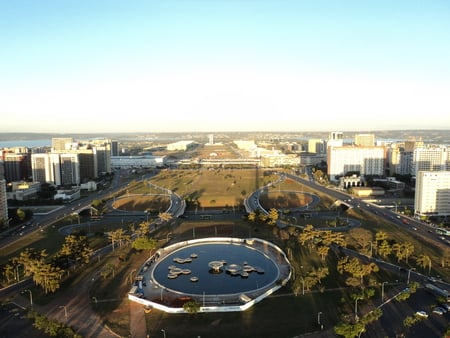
x: 223, y: 65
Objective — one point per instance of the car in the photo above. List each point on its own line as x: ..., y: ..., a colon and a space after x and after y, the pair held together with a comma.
x: 445, y: 306
x: 439, y: 311
x: 422, y: 314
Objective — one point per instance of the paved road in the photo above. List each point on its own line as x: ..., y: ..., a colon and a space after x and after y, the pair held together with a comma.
x: 80, y: 315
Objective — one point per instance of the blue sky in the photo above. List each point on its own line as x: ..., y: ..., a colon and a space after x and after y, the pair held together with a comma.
x: 151, y: 66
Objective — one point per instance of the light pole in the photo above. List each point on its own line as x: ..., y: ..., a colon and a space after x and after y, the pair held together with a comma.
x: 382, y: 291
x: 409, y: 274
x: 318, y: 318
x: 131, y: 277
x: 65, y: 310
x: 356, y: 309
x: 31, y: 297
x: 164, y: 332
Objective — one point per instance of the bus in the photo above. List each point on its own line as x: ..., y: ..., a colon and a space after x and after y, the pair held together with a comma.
x: 442, y: 231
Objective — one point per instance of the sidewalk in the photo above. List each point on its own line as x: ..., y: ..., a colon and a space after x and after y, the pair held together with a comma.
x: 74, y: 309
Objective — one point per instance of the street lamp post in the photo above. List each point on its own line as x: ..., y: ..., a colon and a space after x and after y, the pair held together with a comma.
x: 65, y: 310
x: 382, y: 291
x: 164, y: 332
x: 31, y: 297
x: 318, y: 318
x: 130, y: 276
x: 409, y: 274
x: 356, y: 309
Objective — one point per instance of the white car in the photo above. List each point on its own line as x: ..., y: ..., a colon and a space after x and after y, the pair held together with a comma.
x: 422, y: 314
x: 439, y: 311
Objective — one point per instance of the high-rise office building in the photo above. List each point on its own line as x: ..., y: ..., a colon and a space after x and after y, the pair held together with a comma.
x: 316, y: 146
x: 432, y: 196
x: 431, y: 158
x: 56, y: 168
x: 365, y: 140
x: 114, y: 148
x: 16, y: 166
x: 3, y: 202
x: 62, y: 143
x: 335, y: 139
x: 350, y: 159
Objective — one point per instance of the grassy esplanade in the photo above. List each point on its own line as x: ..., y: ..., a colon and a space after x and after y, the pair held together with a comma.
x: 322, y: 282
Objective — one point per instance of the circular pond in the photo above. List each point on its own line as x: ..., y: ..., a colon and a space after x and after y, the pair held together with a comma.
x: 215, y: 268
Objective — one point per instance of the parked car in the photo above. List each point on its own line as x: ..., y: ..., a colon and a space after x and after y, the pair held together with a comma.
x: 439, y: 311
x: 445, y: 306
x: 422, y: 314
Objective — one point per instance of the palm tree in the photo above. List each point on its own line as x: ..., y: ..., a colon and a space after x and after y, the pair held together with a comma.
x: 384, y: 249
x: 424, y: 261
x: 408, y: 249
x: 323, y: 251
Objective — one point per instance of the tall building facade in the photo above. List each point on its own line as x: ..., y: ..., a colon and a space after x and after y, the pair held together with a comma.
x: 3, y: 202
x: 365, y: 140
x: 58, y: 169
x: 363, y: 160
x: 16, y: 167
x: 432, y: 197
x: 114, y: 148
x: 335, y: 139
x: 316, y: 146
x: 62, y: 143
x: 431, y: 158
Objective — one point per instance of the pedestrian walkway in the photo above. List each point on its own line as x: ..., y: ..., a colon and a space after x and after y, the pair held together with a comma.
x: 74, y: 309
x: 138, y: 327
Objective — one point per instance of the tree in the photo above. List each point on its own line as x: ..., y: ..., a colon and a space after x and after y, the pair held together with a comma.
x: 408, y: 249
x: 191, y: 307
x: 74, y: 249
x: 363, y: 237
x: 397, y: 248
x: 165, y: 216
x: 323, y: 251
x: 272, y: 217
x: 384, y: 249
x: 252, y: 217
x: 144, y: 243
x: 424, y: 261
x: 21, y: 214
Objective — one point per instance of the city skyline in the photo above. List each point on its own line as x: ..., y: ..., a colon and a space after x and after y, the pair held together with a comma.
x: 211, y: 66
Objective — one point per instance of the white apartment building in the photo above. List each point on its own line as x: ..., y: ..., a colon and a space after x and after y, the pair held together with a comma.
x: 432, y: 196
x: 365, y: 160
x: 335, y: 139
x: 430, y: 158
x: 55, y: 168
x: 365, y: 140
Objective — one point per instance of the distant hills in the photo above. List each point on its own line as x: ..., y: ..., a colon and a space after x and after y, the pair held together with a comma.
x: 428, y: 136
